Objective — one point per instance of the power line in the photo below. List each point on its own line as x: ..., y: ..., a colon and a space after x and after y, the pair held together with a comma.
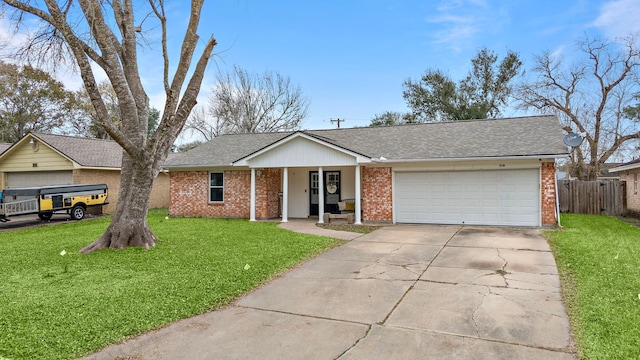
x: 337, y: 121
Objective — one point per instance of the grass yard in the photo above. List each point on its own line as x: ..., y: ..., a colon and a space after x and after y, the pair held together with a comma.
x: 598, y: 258
x: 55, y: 306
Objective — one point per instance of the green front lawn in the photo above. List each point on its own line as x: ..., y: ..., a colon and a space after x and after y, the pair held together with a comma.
x: 598, y: 259
x: 55, y: 306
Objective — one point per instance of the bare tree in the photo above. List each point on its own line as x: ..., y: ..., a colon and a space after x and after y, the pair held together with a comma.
x: 589, y: 98
x: 243, y: 102
x: 106, y: 34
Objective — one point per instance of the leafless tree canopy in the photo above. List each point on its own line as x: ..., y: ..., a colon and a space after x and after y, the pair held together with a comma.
x: 589, y: 97
x: 242, y: 102
x: 105, y: 34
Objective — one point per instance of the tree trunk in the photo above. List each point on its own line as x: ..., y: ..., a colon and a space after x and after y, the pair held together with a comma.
x: 129, y: 225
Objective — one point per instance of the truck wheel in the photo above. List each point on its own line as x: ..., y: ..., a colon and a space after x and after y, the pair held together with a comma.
x: 45, y: 215
x: 77, y: 213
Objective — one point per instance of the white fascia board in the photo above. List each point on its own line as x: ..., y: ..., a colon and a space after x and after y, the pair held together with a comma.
x: 245, y: 161
x: 525, y: 157
x: 199, y: 167
x: 625, y: 167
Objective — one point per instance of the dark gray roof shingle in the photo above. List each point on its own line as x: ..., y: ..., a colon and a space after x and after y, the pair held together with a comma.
x: 85, y: 151
x: 525, y: 136
x: 4, y: 147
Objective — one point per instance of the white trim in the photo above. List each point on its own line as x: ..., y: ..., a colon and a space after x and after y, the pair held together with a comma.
x: 540, y: 194
x: 358, y: 219
x: 245, y: 160
x: 393, y: 197
x: 252, y: 210
x: 285, y: 194
x: 209, y: 187
x: 480, y: 158
x: 320, y: 196
x: 625, y: 167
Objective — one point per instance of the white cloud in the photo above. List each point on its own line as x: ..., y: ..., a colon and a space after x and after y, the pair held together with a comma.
x: 619, y: 18
x: 460, y: 21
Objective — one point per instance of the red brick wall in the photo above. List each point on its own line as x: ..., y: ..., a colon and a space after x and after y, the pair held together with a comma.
x: 377, y: 194
x: 633, y: 196
x: 189, y: 191
x: 267, y: 189
x: 548, y: 195
x: 189, y: 194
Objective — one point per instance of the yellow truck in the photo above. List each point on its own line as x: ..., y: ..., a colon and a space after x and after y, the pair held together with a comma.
x: 46, y: 200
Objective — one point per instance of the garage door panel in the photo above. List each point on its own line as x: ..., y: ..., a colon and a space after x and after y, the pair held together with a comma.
x: 39, y: 178
x: 497, y: 197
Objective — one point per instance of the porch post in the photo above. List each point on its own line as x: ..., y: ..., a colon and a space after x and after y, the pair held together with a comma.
x: 285, y: 194
x: 320, y: 196
x: 252, y: 211
x: 358, y: 219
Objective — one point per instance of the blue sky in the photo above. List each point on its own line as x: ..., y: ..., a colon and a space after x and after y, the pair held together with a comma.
x: 351, y: 57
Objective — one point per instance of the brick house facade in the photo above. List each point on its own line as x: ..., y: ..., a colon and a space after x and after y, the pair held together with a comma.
x: 633, y: 196
x: 376, y: 194
x: 189, y: 194
x: 548, y: 193
x: 391, y: 174
x: 159, y: 197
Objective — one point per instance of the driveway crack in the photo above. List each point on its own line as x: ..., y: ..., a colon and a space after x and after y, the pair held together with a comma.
x: 473, y: 314
x: 503, y: 272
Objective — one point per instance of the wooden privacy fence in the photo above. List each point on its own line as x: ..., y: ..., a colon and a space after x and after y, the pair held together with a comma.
x: 602, y: 197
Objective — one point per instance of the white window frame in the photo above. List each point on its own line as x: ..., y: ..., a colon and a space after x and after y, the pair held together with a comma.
x: 215, y: 187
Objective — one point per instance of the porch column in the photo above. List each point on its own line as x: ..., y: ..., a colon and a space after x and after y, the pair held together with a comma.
x: 285, y: 194
x: 252, y: 211
x: 358, y: 195
x: 320, y: 196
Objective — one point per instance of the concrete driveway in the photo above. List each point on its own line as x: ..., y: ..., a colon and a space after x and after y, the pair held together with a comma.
x: 401, y: 292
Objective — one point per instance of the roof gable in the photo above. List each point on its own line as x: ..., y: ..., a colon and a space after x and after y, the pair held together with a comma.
x: 83, y: 152
x: 300, y: 149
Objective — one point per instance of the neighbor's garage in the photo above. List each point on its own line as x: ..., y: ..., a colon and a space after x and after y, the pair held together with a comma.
x: 490, y: 197
x: 39, y: 178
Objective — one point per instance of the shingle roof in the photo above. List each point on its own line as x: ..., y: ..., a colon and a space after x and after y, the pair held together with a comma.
x: 633, y: 164
x: 524, y: 136
x: 4, y: 146
x: 84, y: 151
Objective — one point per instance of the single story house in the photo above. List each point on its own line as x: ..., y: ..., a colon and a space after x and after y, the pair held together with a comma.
x: 40, y: 159
x: 481, y: 172
x: 629, y: 172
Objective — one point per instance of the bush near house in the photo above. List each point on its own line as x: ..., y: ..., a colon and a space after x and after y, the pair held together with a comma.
x: 58, y: 304
x: 598, y: 258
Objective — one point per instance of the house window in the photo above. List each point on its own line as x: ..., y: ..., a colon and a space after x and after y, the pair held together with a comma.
x: 635, y: 182
x: 216, y: 187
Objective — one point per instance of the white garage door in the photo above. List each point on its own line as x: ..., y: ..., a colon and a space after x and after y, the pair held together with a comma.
x: 497, y: 197
x: 39, y: 178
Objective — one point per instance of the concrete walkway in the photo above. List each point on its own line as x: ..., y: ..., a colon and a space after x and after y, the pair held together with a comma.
x: 401, y: 292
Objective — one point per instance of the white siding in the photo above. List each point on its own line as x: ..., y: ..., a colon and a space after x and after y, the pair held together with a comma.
x: 301, y: 152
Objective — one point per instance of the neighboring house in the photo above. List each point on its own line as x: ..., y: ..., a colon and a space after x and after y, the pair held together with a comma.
x: 489, y: 172
x: 40, y: 159
x: 604, y: 173
x: 629, y: 172
x: 4, y: 147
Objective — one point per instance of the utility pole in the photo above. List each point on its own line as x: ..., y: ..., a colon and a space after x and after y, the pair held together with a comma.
x: 338, y: 121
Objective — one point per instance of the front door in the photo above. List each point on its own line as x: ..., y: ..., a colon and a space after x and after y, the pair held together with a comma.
x: 331, y: 192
